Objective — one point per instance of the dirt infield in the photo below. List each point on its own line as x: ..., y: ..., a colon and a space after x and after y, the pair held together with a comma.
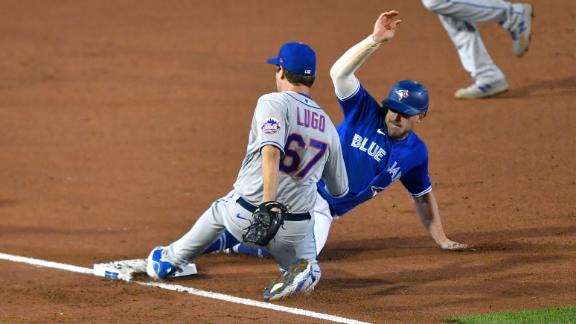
x: 121, y: 121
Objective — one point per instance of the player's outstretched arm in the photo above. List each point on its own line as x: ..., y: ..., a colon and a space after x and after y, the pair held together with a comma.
x: 427, y: 208
x: 342, y: 72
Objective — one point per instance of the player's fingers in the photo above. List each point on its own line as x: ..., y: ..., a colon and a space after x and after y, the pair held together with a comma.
x: 384, y: 16
x: 455, y: 246
x: 392, y: 25
x: 463, y: 247
x: 391, y: 14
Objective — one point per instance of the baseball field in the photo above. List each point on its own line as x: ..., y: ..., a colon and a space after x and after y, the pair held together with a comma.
x: 121, y: 121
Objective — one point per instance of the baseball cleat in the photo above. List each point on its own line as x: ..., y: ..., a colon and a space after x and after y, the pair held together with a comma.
x: 485, y: 90
x: 521, y: 30
x: 157, y: 267
x: 300, y: 278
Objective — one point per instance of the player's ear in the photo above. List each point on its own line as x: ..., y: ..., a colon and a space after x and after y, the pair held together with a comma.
x: 421, y: 117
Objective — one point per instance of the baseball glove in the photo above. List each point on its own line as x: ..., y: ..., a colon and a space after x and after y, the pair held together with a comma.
x: 265, y: 223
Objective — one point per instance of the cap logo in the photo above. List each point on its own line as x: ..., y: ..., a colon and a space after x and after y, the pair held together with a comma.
x: 307, y: 71
x: 402, y: 94
x: 270, y: 126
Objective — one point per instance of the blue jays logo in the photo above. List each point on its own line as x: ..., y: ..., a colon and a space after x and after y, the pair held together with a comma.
x: 402, y: 94
x: 270, y: 126
x: 394, y: 171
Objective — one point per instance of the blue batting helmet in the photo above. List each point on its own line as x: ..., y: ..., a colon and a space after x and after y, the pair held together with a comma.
x: 407, y: 97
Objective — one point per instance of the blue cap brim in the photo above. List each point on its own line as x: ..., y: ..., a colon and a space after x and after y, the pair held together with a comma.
x: 274, y: 61
x: 400, y: 107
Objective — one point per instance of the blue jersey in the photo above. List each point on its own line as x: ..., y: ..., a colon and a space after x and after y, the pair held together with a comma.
x: 374, y: 160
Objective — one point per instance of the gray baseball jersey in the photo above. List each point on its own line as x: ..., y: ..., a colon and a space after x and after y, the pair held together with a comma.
x: 311, y: 149
x: 297, y: 126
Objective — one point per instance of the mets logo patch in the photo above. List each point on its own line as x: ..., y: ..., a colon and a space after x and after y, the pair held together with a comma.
x: 270, y: 125
x: 402, y: 94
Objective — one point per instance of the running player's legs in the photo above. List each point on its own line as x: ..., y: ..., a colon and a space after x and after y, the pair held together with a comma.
x: 471, y: 10
x: 471, y: 50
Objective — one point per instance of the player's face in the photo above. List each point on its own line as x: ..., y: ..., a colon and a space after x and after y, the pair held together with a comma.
x: 399, y: 125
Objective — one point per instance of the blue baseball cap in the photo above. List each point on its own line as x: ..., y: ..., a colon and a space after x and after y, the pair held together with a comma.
x: 296, y: 57
x: 407, y: 97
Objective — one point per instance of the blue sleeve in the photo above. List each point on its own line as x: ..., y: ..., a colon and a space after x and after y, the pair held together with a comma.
x: 360, y: 103
x: 417, y: 180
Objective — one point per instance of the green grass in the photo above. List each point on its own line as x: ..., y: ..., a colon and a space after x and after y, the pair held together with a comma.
x: 544, y: 316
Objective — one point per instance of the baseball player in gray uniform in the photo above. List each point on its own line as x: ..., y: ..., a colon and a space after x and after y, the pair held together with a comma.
x: 459, y: 18
x: 292, y: 145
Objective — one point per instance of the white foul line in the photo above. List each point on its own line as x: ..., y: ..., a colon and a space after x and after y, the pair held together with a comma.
x: 46, y: 264
x: 193, y: 291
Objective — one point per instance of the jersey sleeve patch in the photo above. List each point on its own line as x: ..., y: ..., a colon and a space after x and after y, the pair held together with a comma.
x: 270, y: 125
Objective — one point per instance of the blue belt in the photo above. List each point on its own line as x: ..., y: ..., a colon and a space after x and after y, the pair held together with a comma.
x: 289, y: 216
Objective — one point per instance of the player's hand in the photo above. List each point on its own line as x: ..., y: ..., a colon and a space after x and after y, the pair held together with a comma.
x: 385, y: 26
x: 449, y: 245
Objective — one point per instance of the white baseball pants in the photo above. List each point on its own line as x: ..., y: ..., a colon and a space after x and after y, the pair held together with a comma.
x: 459, y: 18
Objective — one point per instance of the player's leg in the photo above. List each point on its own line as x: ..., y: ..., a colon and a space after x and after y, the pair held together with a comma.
x: 242, y: 248
x: 471, y: 10
x: 488, y: 78
x: 514, y: 17
x: 229, y: 244
x: 322, y: 222
x: 519, y: 25
x: 224, y: 242
x: 164, y: 262
x: 294, y: 248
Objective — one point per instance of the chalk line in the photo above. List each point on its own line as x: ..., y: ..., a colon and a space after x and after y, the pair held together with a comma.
x: 179, y: 288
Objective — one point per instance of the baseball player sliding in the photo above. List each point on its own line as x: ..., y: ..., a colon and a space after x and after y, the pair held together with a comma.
x: 292, y: 145
x: 459, y: 18
x: 379, y: 146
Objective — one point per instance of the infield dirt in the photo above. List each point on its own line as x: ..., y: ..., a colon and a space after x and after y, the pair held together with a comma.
x: 121, y: 121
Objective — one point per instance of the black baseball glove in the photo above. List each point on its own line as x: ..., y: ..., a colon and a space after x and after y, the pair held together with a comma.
x: 265, y: 223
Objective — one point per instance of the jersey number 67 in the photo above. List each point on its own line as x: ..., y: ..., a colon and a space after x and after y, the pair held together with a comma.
x: 292, y: 160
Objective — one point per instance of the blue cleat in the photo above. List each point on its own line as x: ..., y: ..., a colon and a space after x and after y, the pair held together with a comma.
x: 157, y: 267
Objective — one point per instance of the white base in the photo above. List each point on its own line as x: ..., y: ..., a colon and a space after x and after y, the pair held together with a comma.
x: 126, y: 269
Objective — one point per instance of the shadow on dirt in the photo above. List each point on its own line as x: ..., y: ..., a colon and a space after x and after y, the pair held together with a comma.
x: 545, y: 88
x: 475, y: 280
x: 7, y: 202
x: 482, y: 242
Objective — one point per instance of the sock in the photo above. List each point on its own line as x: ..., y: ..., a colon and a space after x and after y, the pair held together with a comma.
x: 248, y: 250
x: 224, y: 241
